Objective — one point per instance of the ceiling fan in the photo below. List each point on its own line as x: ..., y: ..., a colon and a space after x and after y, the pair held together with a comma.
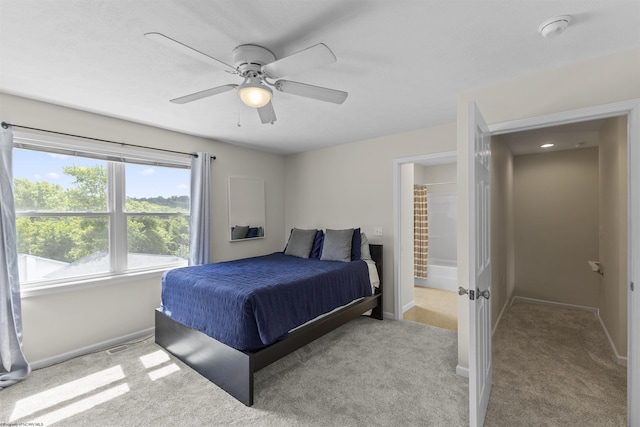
x: 257, y: 65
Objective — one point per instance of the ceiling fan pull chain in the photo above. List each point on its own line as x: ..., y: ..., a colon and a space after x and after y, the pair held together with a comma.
x: 239, y: 108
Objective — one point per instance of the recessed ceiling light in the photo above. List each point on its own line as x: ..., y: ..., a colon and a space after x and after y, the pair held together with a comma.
x: 554, y: 26
x: 547, y: 145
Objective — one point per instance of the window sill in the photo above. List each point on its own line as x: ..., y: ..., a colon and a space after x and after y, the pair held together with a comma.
x: 93, y: 282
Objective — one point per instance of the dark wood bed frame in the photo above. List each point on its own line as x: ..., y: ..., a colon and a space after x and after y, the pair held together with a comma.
x: 232, y: 369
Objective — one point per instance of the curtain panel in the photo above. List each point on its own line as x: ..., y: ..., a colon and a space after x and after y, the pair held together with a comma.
x: 420, y: 231
x: 13, y: 365
x: 199, y: 233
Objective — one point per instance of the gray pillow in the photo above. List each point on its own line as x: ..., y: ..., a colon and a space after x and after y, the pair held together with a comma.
x: 239, y: 232
x: 300, y: 243
x: 364, y: 247
x: 337, y: 245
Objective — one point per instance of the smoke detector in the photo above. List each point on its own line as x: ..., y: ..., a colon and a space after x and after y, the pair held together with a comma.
x: 554, y: 26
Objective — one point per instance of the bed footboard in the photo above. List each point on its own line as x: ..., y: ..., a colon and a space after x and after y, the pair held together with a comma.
x: 232, y: 369
x: 224, y: 366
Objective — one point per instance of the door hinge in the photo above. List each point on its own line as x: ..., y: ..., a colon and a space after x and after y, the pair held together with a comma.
x: 472, y: 295
x: 631, y: 285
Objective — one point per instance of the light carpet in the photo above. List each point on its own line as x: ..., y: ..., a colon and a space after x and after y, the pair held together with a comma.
x: 367, y: 372
x: 553, y: 366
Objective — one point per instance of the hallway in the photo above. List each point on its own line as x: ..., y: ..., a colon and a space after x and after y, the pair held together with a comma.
x: 553, y: 366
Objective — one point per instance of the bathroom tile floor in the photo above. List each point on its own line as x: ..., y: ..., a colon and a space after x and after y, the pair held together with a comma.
x: 435, y: 307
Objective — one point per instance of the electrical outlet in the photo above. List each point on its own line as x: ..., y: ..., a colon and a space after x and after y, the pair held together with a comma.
x: 377, y: 231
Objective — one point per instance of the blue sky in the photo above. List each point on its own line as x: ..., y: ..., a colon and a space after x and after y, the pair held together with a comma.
x: 142, y: 180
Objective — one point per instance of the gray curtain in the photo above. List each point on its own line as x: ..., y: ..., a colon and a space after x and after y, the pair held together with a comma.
x: 13, y: 365
x: 199, y: 245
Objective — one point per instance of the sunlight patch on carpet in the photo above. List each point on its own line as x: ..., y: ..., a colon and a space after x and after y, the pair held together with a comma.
x: 154, y: 359
x: 157, y: 358
x: 80, y: 406
x: 64, y: 392
x: 163, y: 372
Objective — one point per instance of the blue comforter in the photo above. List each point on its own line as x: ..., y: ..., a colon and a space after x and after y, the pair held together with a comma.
x: 253, y: 302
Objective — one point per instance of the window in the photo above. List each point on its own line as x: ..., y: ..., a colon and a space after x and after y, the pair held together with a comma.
x: 83, y: 215
x: 157, y: 225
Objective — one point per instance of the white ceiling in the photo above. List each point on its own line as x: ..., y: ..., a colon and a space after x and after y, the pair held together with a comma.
x: 563, y: 137
x: 403, y: 62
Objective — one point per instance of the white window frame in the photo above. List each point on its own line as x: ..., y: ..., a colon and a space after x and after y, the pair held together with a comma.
x: 116, y: 157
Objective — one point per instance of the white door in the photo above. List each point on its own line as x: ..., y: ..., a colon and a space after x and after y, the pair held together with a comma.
x: 633, y: 295
x: 479, y: 266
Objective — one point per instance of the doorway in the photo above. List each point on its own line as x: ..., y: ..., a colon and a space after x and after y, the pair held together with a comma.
x: 566, y: 202
x: 435, y: 246
x: 631, y: 109
x: 426, y: 253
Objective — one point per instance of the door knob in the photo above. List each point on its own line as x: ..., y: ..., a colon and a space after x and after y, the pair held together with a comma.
x: 462, y: 291
x: 484, y: 293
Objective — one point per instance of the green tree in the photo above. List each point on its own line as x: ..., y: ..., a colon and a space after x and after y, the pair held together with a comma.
x: 71, y: 238
x: 147, y: 235
x: 92, y: 235
x: 178, y: 229
x: 39, y: 196
x: 45, y: 237
x: 90, y: 191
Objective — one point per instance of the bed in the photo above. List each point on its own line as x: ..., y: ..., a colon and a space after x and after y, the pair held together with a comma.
x: 229, y: 360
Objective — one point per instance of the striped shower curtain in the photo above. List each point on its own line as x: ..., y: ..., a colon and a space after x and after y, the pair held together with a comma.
x: 420, y: 231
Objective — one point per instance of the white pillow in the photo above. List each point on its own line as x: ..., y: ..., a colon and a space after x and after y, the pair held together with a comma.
x: 365, y: 253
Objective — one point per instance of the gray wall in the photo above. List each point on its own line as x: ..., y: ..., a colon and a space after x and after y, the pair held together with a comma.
x: 612, y: 296
x: 502, y: 244
x: 556, y: 226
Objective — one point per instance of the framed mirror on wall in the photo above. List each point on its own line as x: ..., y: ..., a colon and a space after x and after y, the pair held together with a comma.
x: 246, y: 208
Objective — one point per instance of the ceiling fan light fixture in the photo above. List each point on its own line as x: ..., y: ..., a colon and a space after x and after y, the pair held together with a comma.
x: 255, y: 95
x: 256, y: 64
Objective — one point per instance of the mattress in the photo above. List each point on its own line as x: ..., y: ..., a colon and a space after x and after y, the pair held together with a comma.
x: 253, y: 302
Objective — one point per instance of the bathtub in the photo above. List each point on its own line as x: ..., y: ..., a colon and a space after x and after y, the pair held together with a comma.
x: 440, y: 277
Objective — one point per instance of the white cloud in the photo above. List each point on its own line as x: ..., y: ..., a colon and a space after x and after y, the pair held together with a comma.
x: 59, y: 156
x: 148, y: 171
x: 36, y: 176
x: 53, y: 175
x: 182, y: 187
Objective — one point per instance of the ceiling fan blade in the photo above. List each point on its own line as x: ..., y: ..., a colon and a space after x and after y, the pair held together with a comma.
x: 203, y: 94
x: 267, y: 114
x: 180, y: 47
x: 310, y: 91
x: 306, y: 59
